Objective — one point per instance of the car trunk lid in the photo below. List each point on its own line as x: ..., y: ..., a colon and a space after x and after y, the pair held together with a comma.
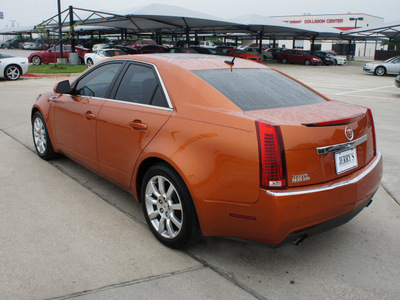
x: 322, y: 142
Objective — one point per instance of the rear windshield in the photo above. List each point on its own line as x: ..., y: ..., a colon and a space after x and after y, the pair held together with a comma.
x: 256, y: 89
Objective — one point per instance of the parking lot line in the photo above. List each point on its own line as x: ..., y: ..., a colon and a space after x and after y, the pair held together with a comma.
x: 364, y: 90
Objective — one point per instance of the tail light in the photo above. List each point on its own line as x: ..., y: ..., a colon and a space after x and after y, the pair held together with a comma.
x: 272, y: 157
x: 371, y: 119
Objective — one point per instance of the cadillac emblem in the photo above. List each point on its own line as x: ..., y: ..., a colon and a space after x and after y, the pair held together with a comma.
x: 348, y: 132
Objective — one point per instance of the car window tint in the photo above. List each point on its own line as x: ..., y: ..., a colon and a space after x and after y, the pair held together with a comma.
x: 97, y: 82
x: 255, y: 89
x: 140, y: 85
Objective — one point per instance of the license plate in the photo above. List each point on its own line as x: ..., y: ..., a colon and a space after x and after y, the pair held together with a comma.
x: 346, y: 160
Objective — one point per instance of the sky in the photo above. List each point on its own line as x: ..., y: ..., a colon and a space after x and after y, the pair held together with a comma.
x: 28, y: 12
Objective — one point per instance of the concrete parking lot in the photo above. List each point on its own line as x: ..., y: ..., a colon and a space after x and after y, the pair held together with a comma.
x: 68, y: 233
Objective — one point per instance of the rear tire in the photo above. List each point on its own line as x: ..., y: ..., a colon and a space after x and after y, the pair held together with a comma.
x: 168, y: 207
x: 89, y: 62
x: 36, y: 60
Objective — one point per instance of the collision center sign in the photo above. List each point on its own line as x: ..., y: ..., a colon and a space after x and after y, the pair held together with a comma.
x: 315, y: 21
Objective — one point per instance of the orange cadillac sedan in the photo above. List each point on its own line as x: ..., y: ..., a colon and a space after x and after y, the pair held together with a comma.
x: 213, y: 148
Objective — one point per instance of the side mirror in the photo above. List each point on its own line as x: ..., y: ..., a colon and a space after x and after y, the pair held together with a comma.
x: 62, y: 87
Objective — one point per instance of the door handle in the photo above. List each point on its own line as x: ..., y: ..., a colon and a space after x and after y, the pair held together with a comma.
x: 90, y: 116
x: 138, y: 125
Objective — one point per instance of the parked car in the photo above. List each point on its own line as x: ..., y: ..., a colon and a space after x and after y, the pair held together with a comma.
x: 327, y: 60
x: 207, y: 44
x: 11, y: 44
x: 152, y: 49
x: 208, y: 148
x: 271, y: 53
x: 299, y: 57
x: 254, y: 45
x: 99, y: 55
x: 397, y: 81
x: 389, y: 66
x: 182, y: 50
x: 50, y: 55
x: 126, y: 49
x: 203, y: 50
x: 139, y: 44
x: 12, y: 67
x: 99, y: 46
x: 29, y: 45
x: 238, y: 53
x: 337, y: 60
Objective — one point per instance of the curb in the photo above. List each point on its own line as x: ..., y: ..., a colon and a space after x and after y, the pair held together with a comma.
x: 50, y: 75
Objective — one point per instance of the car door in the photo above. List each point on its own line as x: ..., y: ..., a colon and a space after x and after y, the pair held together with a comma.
x: 129, y: 122
x: 394, y: 66
x: 75, y: 114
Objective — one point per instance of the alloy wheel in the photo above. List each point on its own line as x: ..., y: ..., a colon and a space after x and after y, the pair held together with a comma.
x: 39, y: 135
x: 163, y: 207
x: 13, y: 73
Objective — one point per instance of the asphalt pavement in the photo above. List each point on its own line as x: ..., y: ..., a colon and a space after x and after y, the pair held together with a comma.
x: 68, y: 233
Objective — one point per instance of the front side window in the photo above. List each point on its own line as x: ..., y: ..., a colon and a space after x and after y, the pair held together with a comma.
x: 140, y: 85
x: 97, y: 82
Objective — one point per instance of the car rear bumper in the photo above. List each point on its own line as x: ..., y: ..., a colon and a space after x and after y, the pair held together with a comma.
x: 287, y: 214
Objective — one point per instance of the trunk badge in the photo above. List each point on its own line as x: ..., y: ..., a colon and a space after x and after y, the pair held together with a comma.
x: 300, y: 178
x: 348, y: 132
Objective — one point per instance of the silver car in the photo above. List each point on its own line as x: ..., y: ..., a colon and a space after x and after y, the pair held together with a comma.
x: 389, y: 66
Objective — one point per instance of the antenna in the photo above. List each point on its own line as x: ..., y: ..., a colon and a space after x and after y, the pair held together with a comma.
x: 230, y: 63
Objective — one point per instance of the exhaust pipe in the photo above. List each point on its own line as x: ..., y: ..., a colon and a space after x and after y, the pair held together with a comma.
x: 299, y: 240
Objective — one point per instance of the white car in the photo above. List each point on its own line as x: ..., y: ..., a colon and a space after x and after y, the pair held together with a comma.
x: 29, y: 45
x: 99, y: 46
x: 99, y: 55
x: 389, y: 66
x: 12, y: 67
x: 207, y: 44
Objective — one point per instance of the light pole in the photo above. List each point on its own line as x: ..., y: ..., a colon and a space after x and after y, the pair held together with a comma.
x: 355, y: 27
x: 356, y: 19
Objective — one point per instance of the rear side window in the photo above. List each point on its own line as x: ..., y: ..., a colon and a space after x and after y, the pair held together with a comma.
x: 140, y: 85
x: 256, y: 89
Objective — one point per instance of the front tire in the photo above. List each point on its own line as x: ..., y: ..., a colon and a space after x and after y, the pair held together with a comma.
x: 41, y: 138
x: 284, y: 60
x: 307, y: 62
x: 168, y: 207
x: 12, y: 72
x: 380, y: 71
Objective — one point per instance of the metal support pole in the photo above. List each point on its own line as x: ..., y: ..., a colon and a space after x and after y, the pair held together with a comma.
x: 260, y: 44
x: 312, y: 43
x: 60, y: 29
x: 71, y: 28
x: 294, y: 43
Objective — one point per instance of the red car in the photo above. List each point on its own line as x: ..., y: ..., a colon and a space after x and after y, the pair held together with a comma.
x: 50, y: 55
x: 142, y: 43
x: 299, y: 57
x: 240, y: 53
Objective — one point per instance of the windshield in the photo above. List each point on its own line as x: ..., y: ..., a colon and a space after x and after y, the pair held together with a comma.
x: 392, y: 59
x: 255, y: 89
x: 5, y: 55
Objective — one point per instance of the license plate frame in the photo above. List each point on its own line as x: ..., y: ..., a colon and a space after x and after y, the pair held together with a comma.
x: 346, y: 160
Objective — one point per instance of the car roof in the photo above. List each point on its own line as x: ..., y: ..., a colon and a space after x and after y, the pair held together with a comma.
x: 192, y: 61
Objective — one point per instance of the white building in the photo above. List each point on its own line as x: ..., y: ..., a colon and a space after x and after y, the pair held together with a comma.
x: 342, y: 22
